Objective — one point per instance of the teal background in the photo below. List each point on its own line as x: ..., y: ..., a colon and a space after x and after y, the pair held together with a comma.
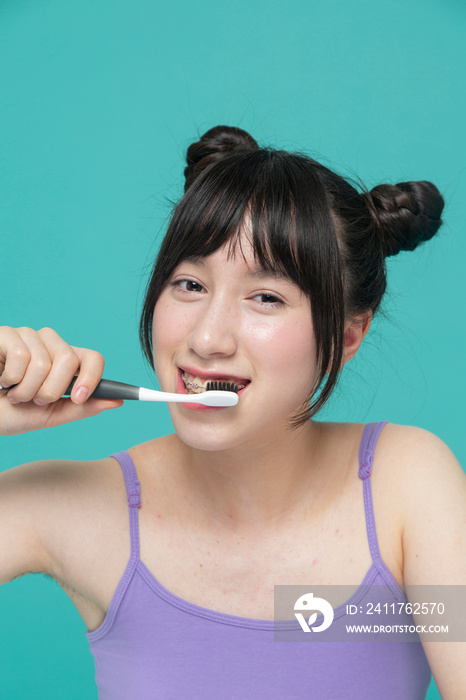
x: 98, y: 103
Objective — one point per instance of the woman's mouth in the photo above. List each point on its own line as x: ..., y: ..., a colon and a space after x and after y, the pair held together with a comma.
x: 194, y: 384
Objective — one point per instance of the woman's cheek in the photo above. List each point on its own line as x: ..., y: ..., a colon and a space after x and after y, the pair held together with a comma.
x: 283, y: 345
x: 168, y: 323
x: 262, y: 332
x: 165, y: 329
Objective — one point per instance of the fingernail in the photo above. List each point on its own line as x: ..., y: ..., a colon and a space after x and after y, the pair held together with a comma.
x: 12, y: 400
x: 81, y: 394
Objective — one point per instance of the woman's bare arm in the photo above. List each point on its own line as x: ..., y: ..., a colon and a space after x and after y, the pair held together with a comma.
x: 24, y: 513
x: 434, y: 545
x: 39, y: 366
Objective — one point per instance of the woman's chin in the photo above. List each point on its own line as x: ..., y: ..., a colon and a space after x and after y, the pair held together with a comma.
x: 212, y: 436
x: 201, y: 438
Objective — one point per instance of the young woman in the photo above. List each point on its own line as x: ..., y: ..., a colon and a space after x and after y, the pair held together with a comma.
x: 269, y: 275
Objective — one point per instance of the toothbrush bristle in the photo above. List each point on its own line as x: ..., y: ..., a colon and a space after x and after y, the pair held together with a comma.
x: 222, y: 386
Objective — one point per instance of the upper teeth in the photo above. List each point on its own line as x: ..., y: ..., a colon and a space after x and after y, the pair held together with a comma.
x: 198, y: 385
x: 193, y: 383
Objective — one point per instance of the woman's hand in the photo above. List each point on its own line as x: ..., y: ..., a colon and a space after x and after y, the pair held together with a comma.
x: 42, y: 365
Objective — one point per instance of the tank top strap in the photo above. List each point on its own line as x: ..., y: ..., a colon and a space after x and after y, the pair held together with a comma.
x: 134, y: 498
x: 366, y: 458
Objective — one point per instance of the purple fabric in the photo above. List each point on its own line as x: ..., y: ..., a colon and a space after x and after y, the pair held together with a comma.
x: 153, y: 644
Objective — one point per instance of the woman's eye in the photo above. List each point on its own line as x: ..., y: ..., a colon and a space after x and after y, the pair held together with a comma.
x: 188, y: 285
x: 268, y: 299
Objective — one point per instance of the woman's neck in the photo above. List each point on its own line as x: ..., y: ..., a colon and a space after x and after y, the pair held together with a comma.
x: 256, y: 486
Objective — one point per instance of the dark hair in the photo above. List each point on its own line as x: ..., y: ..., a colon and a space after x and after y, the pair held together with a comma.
x: 307, y: 221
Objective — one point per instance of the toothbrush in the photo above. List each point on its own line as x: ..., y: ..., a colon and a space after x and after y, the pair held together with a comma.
x: 110, y: 389
x: 216, y: 394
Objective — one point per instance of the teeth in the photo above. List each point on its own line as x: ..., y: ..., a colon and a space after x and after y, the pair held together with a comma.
x: 196, y: 385
x: 193, y: 385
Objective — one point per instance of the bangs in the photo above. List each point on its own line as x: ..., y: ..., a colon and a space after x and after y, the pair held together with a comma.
x: 275, y: 198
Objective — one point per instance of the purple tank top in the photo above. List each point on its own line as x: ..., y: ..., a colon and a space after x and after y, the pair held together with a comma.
x: 153, y: 644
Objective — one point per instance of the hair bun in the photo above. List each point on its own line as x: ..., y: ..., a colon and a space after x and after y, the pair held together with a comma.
x: 407, y: 214
x: 213, y: 146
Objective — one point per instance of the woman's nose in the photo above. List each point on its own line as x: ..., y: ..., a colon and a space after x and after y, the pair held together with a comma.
x: 214, y: 330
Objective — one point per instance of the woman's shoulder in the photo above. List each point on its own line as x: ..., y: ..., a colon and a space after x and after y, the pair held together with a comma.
x: 50, y: 489
x: 47, y: 504
x: 409, y: 462
x: 416, y: 483
x: 399, y: 443
x: 414, y: 452
x: 431, y: 475
x: 54, y: 476
x: 424, y: 483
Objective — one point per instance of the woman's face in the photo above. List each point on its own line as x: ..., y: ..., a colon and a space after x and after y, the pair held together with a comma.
x: 223, y: 318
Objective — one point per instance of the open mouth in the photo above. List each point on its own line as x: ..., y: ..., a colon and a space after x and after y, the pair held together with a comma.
x: 195, y: 384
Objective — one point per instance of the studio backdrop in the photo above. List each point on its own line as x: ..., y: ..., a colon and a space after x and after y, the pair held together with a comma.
x: 98, y: 103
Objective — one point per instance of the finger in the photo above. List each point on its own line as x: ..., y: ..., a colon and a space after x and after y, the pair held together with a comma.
x: 67, y: 362
x: 64, y: 365
x: 91, y: 368
x: 36, y: 370
x: 14, y: 356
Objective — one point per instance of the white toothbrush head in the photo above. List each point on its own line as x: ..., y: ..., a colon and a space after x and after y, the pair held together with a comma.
x: 216, y: 398
x: 207, y: 398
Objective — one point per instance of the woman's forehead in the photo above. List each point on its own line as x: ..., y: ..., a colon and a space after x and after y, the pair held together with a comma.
x: 240, y: 250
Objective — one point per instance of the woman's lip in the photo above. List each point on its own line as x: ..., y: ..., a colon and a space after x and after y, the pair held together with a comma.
x: 214, y: 375
x: 181, y: 389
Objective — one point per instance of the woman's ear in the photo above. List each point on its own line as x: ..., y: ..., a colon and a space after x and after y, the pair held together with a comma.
x: 355, y: 332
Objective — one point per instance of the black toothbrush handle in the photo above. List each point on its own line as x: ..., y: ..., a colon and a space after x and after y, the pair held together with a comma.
x: 105, y: 389
x: 110, y: 389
